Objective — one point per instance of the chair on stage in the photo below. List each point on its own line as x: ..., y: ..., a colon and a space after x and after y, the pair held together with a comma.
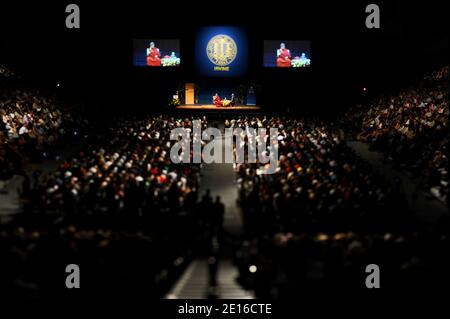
x: 226, y: 102
x: 232, y: 100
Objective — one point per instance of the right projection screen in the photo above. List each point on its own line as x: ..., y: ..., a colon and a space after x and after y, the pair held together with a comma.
x: 287, y: 53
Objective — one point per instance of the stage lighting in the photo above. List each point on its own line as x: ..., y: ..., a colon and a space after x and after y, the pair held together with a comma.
x: 252, y: 269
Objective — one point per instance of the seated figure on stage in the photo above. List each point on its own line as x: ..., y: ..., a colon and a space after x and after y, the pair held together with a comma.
x: 283, y: 57
x: 217, y: 100
x: 153, y: 55
x: 232, y: 100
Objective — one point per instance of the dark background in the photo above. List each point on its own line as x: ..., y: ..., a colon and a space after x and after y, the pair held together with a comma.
x: 413, y: 39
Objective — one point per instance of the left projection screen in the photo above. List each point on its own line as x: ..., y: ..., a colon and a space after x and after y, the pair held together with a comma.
x: 156, y: 53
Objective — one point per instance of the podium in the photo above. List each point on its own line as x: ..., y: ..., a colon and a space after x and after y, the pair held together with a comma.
x: 189, y: 93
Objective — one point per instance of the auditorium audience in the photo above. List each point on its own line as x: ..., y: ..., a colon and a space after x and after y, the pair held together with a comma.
x: 288, y: 265
x: 123, y: 208
x: 119, y: 205
x: 319, y: 176
x: 323, y: 216
x: 113, y: 261
x: 33, y: 127
x: 412, y: 122
x: 128, y: 169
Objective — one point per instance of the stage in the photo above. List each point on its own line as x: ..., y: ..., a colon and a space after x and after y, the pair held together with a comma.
x: 215, y: 108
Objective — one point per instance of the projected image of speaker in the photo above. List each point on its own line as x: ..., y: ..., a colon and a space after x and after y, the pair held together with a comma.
x: 287, y: 54
x: 156, y: 53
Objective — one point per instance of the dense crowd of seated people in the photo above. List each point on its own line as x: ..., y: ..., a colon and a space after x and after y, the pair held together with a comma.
x: 118, y: 196
x: 412, y: 122
x: 33, y: 126
x: 318, y: 175
x: 119, y: 205
x: 127, y: 169
x: 323, y: 215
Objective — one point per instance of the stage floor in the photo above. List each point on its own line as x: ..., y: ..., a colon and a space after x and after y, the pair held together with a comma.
x: 213, y: 107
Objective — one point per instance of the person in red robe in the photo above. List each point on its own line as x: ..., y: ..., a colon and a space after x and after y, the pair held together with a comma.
x: 153, y: 55
x: 283, y: 57
x: 217, y: 100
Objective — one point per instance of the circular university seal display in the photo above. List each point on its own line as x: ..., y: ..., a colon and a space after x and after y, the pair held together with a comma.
x: 221, y: 50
